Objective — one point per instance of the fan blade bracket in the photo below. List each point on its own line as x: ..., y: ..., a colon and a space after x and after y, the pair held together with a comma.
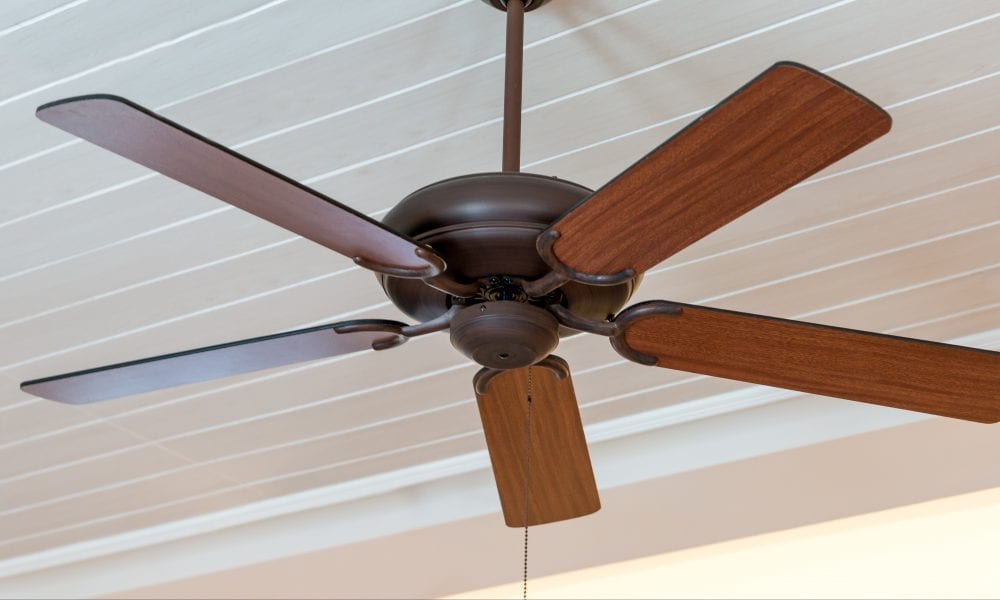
x: 567, y: 318
x: 394, y: 333
x: 544, y: 285
x: 439, y: 323
x: 558, y: 366
x: 388, y: 343
x: 435, y: 265
x: 636, y: 312
x: 400, y: 331
x: 545, y: 243
x: 392, y: 329
x: 444, y: 282
x: 369, y: 325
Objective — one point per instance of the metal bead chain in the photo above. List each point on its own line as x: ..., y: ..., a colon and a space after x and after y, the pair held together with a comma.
x: 527, y: 479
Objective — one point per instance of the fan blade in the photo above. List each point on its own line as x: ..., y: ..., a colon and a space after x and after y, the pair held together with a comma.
x: 141, y: 135
x: 212, y: 362
x: 929, y: 377
x: 560, y: 478
x: 782, y: 127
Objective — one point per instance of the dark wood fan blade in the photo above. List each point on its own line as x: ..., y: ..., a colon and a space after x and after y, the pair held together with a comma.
x: 560, y: 478
x: 774, y: 132
x: 929, y: 377
x: 141, y: 135
x: 212, y: 362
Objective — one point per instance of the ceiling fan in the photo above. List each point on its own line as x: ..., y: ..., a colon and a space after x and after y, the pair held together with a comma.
x: 511, y: 261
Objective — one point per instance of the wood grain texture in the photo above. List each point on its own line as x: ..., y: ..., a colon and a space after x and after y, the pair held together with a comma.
x: 561, y: 480
x: 203, y: 364
x: 930, y: 377
x: 141, y: 135
x: 782, y: 127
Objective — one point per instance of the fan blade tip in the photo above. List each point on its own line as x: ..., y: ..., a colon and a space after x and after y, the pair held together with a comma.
x: 45, y: 111
x: 885, y: 119
x: 84, y: 98
x: 990, y: 420
x: 35, y: 387
x: 28, y: 388
x: 789, y: 64
x: 517, y: 521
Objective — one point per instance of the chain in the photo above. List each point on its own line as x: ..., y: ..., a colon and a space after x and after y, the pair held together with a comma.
x: 527, y: 479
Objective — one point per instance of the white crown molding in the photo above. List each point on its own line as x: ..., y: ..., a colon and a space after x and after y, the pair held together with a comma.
x: 378, y: 484
x: 461, y: 487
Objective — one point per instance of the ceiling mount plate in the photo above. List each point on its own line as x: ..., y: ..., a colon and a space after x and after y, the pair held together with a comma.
x: 528, y: 4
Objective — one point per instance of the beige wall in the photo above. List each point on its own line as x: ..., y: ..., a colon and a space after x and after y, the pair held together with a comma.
x: 944, y: 548
x: 846, y: 477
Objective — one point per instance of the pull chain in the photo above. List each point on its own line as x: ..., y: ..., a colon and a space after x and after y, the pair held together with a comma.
x: 527, y: 479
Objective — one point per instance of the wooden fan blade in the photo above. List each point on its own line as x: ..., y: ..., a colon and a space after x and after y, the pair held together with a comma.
x: 775, y: 131
x: 929, y: 377
x: 560, y: 478
x: 141, y: 135
x: 213, y: 362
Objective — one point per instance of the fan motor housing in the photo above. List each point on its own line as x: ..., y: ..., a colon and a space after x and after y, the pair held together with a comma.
x: 484, y: 226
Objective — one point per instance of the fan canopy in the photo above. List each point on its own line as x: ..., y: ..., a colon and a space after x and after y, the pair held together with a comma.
x: 529, y: 5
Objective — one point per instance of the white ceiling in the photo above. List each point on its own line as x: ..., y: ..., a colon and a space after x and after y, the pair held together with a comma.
x: 100, y: 261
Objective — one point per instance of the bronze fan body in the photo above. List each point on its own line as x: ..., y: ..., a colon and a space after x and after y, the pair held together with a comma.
x: 510, y: 261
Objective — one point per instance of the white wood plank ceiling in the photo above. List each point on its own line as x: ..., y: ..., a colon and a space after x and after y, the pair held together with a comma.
x: 101, y: 261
